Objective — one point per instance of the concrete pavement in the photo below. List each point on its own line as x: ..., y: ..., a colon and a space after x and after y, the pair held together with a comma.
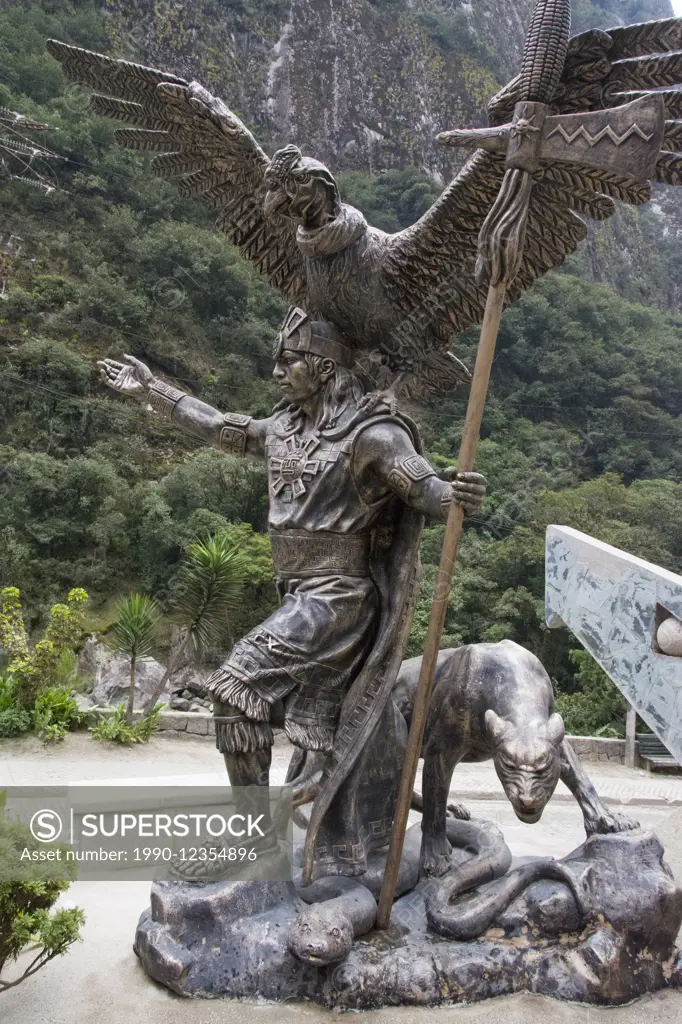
x: 28, y: 762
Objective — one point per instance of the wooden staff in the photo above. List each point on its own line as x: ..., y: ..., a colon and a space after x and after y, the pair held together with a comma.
x: 500, y: 248
x: 453, y: 532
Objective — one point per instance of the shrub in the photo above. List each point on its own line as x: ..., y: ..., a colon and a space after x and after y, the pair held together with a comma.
x: 53, y: 291
x: 20, y: 305
x: 597, y: 708
x: 13, y: 719
x: 33, y: 670
x: 114, y: 727
x: 25, y: 906
x: 56, y: 713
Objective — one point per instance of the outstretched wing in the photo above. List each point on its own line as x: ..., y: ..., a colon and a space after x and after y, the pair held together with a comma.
x: 431, y: 264
x: 203, y: 145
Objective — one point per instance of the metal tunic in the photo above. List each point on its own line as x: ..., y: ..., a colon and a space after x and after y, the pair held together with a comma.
x: 311, y: 648
x: 311, y: 482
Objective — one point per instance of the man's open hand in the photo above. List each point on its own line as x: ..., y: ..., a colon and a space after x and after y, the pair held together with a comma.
x: 133, y: 379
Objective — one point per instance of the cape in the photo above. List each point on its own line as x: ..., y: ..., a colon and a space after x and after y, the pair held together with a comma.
x: 353, y: 812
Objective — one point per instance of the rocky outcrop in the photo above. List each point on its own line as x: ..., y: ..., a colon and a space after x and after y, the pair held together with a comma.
x: 358, y: 83
x: 605, y: 939
x: 109, y: 674
x: 187, y: 688
x: 364, y: 88
x: 361, y: 84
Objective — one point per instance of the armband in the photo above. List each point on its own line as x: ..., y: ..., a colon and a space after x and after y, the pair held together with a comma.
x: 163, y: 398
x: 233, y: 436
x: 411, y: 470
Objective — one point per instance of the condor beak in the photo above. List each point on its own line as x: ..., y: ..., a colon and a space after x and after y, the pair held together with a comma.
x: 276, y: 202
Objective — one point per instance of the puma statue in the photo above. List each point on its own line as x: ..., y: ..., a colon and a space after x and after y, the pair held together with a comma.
x: 495, y: 701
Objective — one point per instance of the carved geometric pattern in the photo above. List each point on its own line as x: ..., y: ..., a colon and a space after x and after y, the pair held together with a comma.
x: 233, y: 440
x: 417, y: 468
x: 581, y: 132
x: 237, y: 419
x: 163, y: 398
x: 293, y: 465
x: 399, y: 483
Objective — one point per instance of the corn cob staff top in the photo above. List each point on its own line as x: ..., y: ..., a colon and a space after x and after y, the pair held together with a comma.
x: 500, y: 257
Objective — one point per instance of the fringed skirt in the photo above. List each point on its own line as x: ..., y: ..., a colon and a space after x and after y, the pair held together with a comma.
x: 306, y: 654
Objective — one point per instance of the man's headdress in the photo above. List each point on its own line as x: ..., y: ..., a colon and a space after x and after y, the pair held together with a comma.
x: 299, y: 333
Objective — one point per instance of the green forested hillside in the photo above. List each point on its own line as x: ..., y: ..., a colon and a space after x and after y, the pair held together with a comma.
x: 584, y: 424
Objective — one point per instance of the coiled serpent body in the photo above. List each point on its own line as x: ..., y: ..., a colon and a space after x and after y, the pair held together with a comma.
x: 340, y: 909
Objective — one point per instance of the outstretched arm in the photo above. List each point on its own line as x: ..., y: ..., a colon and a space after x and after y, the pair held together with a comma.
x: 234, y: 433
x: 386, y: 459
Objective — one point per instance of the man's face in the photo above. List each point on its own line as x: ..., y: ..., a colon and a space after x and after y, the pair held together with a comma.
x: 294, y: 377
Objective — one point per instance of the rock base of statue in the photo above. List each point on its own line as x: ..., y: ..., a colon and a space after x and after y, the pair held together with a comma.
x: 606, y: 938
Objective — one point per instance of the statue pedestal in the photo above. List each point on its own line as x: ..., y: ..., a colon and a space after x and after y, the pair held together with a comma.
x: 608, y: 941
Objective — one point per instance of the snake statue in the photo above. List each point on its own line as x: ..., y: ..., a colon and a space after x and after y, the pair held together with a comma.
x: 456, y: 912
x: 337, y: 910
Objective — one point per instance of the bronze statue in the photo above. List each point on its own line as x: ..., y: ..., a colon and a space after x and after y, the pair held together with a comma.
x: 584, y: 124
x: 348, y: 489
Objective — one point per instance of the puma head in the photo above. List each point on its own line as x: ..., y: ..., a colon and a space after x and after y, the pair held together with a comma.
x: 527, y: 761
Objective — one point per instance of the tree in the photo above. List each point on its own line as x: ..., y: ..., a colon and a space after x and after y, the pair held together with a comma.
x: 596, y: 708
x: 135, y: 634
x: 212, y: 583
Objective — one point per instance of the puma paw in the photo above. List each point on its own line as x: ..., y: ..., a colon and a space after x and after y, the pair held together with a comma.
x: 459, y: 811
x: 609, y: 822
x: 435, y: 856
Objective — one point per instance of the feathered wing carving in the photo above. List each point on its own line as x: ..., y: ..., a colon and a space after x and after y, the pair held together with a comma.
x: 433, y: 261
x: 202, y: 145
x: 427, y: 271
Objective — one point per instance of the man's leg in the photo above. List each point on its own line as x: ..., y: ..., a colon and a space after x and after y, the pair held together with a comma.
x: 245, y: 745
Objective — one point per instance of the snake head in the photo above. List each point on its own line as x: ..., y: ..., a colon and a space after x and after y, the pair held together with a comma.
x: 321, y: 936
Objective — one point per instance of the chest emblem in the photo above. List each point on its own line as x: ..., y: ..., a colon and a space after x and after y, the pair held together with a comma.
x: 292, y: 468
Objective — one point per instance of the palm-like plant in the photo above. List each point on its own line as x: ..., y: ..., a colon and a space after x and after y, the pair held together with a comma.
x: 211, y: 586
x: 135, y: 634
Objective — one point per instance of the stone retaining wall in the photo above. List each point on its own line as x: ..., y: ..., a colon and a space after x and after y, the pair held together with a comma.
x: 196, y: 723
x: 596, y: 748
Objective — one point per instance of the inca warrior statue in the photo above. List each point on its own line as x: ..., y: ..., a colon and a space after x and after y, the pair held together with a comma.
x: 348, y: 490
x: 589, y: 121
